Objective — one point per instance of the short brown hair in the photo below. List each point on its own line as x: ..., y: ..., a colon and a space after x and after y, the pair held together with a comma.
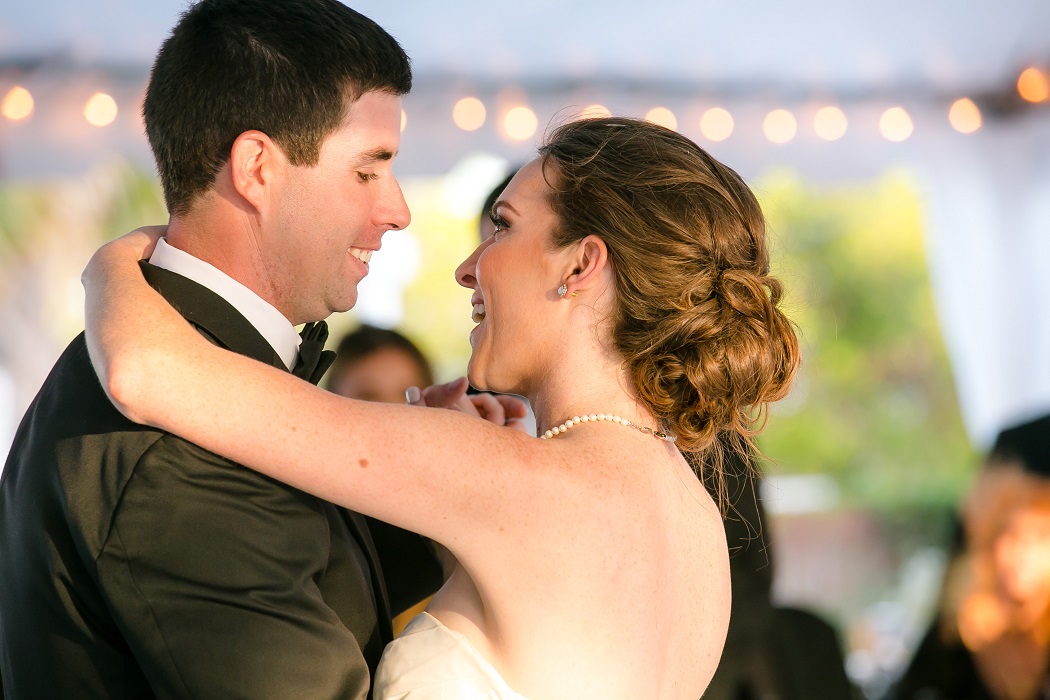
x: 290, y: 69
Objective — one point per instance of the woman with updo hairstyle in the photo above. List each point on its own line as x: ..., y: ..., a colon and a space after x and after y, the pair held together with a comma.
x: 625, y: 291
x: 698, y: 324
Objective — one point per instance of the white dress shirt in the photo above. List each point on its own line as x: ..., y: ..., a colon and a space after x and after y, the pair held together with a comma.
x: 270, y: 322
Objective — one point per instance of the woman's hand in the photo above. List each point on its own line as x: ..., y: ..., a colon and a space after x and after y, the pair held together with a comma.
x: 499, y: 409
x: 131, y: 247
x: 112, y: 280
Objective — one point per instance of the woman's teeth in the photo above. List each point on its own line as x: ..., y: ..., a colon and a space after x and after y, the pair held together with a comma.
x: 362, y: 255
x: 478, y: 313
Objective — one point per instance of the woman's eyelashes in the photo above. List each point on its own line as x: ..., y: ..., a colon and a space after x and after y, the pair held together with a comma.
x: 499, y: 223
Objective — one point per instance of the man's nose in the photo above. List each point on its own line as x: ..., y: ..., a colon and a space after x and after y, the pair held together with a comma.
x: 393, y: 211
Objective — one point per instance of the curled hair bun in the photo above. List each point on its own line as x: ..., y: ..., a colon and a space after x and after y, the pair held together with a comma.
x: 699, y: 323
x: 713, y: 363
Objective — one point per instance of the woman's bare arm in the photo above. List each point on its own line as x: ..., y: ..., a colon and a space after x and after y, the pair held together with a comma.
x: 438, y: 472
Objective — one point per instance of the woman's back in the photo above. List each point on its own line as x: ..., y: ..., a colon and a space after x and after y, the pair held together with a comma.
x: 615, y: 586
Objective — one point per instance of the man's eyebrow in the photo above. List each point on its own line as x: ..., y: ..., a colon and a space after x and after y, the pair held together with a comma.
x: 375, y: 155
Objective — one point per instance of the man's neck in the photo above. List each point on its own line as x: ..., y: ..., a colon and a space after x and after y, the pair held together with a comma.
x: 228, y: 243
x: 266, y: 319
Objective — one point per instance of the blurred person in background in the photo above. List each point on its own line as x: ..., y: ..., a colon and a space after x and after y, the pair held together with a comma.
x: 772, y: 652
x: 379, y: 364
x: 991, y: 637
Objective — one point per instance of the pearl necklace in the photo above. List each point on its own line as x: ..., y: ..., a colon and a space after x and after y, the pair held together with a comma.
x: 595, y: 417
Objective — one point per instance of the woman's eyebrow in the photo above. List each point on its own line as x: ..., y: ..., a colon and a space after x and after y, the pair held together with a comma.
x: 503, y: 203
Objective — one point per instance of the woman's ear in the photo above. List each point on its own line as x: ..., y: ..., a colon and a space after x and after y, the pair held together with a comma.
x: 254, y: 158
x: 589, y: 262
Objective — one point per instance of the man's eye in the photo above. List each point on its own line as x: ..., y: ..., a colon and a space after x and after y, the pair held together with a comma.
x: 366, y: 177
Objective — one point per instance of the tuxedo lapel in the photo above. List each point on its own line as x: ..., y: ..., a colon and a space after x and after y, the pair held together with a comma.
x: 221, y: 323
x: 215, y: 317
x: 358, y: 527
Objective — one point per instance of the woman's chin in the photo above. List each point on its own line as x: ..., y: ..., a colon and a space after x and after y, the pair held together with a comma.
x: 483, y: 381
x: 474, y: 377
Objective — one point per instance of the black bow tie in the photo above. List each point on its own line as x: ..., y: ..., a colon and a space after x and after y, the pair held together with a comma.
x: 313, y: 360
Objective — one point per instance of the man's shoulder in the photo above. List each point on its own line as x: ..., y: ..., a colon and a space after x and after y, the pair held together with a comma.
x: 213, y: 316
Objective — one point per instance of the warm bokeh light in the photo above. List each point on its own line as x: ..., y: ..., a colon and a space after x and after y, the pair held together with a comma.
x: 830, y: 123
x: 780, y: 126
x: 1033, y: 85
x: 964, y: 116
x: 469, y: 114
x: 595, y: 111
x: 520, y: 123
x: 404, y: 119
x: 100, y: 110
x: 716, y: 124
x: 662, y: 116
x: 895, y: 124
x: 18, y: 103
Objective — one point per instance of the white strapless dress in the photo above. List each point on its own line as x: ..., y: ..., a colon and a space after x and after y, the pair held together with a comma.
x: 428, y: 661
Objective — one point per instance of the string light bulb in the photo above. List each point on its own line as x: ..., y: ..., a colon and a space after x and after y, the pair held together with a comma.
x: 964, y: 116
x: 17, y: 104
x: 663, y: 117
x: 1032, y: 85
x: 469, y: 113
x: 520, y: 123
x: 896, y: 124
x: 716, y: 124
x: 595, y: 111
x: 100, y: 109
x: 780, y: 126
x: 830, y: 123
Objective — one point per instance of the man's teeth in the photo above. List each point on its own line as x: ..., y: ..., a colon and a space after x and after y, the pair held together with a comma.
x: 479, y: 313
x: 362, y: 255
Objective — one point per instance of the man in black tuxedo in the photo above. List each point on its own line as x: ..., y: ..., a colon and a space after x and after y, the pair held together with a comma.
x: 136, y: 564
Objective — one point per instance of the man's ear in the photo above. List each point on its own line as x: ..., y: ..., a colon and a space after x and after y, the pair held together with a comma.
x: 589, y: 262
x: 254, y: 165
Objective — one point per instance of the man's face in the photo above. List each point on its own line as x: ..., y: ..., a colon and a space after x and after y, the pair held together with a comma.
x: 329, y: 218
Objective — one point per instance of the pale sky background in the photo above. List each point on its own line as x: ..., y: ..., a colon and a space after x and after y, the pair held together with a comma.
x: 948, y: 43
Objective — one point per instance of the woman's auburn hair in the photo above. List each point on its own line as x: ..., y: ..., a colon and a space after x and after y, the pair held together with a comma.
x: 698, y: 320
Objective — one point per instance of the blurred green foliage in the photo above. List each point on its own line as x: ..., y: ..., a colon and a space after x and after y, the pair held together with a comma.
x: 874, y: 404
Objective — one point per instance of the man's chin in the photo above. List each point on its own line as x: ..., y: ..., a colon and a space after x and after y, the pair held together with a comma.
x: 343, y: 304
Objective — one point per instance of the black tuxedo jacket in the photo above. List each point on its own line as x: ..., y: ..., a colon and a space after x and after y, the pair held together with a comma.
x: 136, y: 564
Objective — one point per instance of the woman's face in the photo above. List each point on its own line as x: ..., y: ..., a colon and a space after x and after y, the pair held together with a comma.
x: 515, y: 275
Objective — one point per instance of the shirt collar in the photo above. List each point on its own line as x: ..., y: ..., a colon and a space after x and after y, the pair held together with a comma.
x: 270, y: 322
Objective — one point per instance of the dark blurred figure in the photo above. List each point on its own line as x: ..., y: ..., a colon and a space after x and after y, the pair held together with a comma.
x: 991, y: 636
x: 771, y: 652
x: 377, y: 364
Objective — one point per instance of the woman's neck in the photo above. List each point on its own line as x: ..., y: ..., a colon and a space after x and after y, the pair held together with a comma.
x: 586, y: 383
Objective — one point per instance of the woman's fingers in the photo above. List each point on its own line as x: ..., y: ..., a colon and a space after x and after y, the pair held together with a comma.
x: 499, y: 409
x: 438, y: 395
